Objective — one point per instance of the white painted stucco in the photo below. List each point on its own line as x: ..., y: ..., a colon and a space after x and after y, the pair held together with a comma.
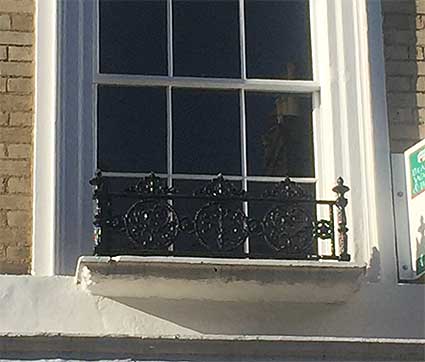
x: 41, y: 305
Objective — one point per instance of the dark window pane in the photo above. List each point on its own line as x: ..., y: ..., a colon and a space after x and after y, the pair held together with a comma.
x: 279, y: 135
x: 277, y: 38
x: 133, y: 36
x: 206, y: 38
x: 132, y: 129
x: 206, y: 132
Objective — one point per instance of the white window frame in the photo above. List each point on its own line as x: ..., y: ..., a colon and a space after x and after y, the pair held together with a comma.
x: 63, y: 166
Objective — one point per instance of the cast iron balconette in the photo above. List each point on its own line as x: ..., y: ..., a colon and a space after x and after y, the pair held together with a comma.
x: 149, y: 218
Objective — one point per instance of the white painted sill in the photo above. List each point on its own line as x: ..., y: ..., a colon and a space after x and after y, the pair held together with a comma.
x: 220, y: 279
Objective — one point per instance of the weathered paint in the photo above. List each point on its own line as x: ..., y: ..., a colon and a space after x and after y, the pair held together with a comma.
x: 221, y: 279
x: 40, y: 305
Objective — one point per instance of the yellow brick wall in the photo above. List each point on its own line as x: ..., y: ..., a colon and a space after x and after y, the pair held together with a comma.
x: 16, y: 127
x: 404, y: 43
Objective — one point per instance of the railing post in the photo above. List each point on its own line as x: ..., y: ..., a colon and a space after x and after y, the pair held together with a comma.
x: 341, y: 202
x: 101, y: 202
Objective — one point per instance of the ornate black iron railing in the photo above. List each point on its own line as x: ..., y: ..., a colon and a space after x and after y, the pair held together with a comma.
x: 149, y: 218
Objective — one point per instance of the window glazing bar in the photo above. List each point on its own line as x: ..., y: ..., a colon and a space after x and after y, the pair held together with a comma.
x: 266, y: 85
x: 170, y: 60
x: 170, y: 55
x: 96, y: 41
x: 95, y: 70
x: 244, y: 162
x: 242, y: 113
x: 242, y: 37
x: 169, y: 136
x: 314, y: 33
x: 178, y: 176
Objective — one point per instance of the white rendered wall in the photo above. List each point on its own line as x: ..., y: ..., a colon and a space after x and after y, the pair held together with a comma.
x: 39, y: 305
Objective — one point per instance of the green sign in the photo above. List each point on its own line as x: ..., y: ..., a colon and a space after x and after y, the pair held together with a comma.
x: 420, y: 264
x: 417, y: 171
x: 420, y: 248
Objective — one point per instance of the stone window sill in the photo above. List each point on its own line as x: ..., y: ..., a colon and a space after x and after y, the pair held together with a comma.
x: 220, y: 279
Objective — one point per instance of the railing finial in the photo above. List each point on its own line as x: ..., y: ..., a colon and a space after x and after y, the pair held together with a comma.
x: 341, y: 202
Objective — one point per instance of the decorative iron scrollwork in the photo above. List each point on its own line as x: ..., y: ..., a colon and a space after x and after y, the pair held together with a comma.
x: 117, y: 223
x: 151, y: 224
x: 289, y: 229
x: 220, y: 188
x: 151, y: 185
x: 287, y: 190
x: 324, y: 229
x: 148, y: 220
x: 221, y: 228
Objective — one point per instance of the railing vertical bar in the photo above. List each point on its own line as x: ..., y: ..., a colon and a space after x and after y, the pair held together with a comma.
x: 332, y: 225
x: 244, y: 165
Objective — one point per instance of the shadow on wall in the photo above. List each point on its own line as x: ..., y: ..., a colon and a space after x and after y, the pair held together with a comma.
x: 232, y: 318
x: 374, y: 270
x: 404, y: 42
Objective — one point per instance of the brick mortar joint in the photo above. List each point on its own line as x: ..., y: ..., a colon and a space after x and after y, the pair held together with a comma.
x: 18, y: 77
x: 14, y: 60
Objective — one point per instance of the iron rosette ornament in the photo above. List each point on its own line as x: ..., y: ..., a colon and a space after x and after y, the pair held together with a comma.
x: 288, y: 227
x: 221, y: 228
x: 289, y: 230
x: 151, y: 223
x: 220, y: 225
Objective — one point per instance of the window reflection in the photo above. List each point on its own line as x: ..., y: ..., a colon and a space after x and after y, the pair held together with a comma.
x: 279, y: 135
